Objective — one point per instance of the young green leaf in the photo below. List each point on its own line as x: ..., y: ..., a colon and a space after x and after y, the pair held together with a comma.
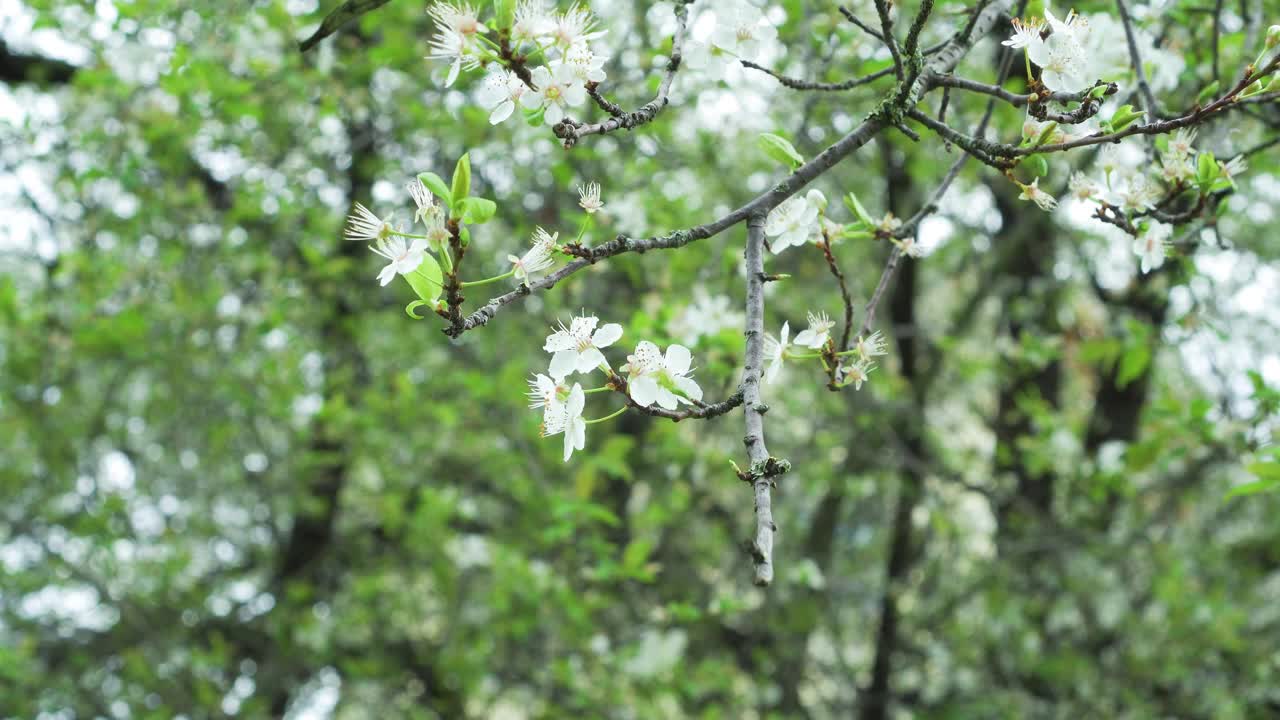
x: 427, y: 281
x: 780, y: 149
x: 477, y: 211
x: 436, y: 185
x: 461, y: 181
x: 855, y: 207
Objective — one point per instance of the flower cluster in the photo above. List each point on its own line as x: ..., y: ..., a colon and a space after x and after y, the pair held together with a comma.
x: 1130, y: 185
x: 504, y: 45
x: 1075, y: 52
x: 652, y: 377
x: 404, y: 252
x: 448, y: 212
x: 817, y: 337
x: 739, y: 32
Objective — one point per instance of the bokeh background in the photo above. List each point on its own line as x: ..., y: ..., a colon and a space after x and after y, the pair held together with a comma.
x: 237, y: 480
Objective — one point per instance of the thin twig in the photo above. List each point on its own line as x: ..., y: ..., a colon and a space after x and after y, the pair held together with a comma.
x: 798, y: 84
x: 570, y: 132
x: 1135, y: 59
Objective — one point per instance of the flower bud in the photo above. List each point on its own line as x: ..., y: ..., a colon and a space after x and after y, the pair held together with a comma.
x: 1273, y: 36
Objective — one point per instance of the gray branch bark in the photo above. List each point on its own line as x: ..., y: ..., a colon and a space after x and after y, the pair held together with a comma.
x: 761, y: 481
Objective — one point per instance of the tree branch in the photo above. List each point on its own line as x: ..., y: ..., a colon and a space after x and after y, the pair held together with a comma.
x: 798, y: 84
x: 334, y: 21
x: 762, y: 469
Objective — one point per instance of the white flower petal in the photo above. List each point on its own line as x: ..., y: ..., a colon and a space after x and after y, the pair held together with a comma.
x: 644, y: 390
x: 687, y: 386
x: 678, y: 359
x: 606, y: 335
x: 590, y: 359
x: 559, y: 340
x: 563, y: 363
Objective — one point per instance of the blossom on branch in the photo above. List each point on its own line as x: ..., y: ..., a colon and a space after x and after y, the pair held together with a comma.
x: 818, y: 332
x: 1152, y: 246
x: 567, y: 418
x: 792, y: 223
x: 589, y: 198
x: 364, y: 226
x: 775, y: 351
x: 537, y: 259
x: 577, y: 347
x: 402, y: 256
x: 652, y: 377
x: 558, y: 89
x: 501, y: 91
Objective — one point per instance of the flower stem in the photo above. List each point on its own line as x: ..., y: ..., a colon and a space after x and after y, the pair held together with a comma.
x: 604, y: 388
x: 803, y: 356
x: 493, y: 279
x: 586, y: 222
x: 610, y: 416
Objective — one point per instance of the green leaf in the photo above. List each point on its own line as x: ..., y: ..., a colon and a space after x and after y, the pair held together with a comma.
x: 1206, y: 169
x: 436, y: 185
x: 780, y: 149
x: 1038, y: 165
x: 408, y: 309
x: 477, y: 211
x: 1046, y: 132
x: 855, y: 207
x: 461, y: 181
x: 1135, y: 360
x: 1124, y: 117
x: 1268, y: 479
x: 504, y: 12
x: 427, y: 281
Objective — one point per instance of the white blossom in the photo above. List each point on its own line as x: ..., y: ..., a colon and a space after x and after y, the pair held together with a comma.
x: 532, y: 22
x: 1025, y: 33
x: 1233, y: 167
x: 1041, y: 198
x: 870, y: 346
x: 574, y: 28
x: 547, y: 393
x: 1136, y: 192
x: 1152, y: 246
x: 585, y: 65
x: 364, y: 226
x: 567, y: 418
x: 589, y: 197
x: 792, y: 223
x: 501, y: 91
x: 1063, y: 60
x: 454, y: 47
x: 888, y: 225
x: 909, y: 246
x: 857, y: 373
x: 741, y: 29
x: 1181, y: 142
x: 460, y: 17
x: 577, y: 347
x: 815, y: 336
x: 402, y: 257
x: 653, y: 377
x: 427, y: 207
x: 1082, y: 186
x: 537, y: 259
x: 558, y: 89
x: 775, y: 351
